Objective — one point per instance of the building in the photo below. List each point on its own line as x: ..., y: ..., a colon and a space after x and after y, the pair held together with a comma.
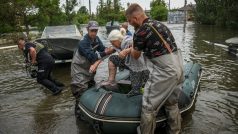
x: 178, y: 16
x: 190, y: 11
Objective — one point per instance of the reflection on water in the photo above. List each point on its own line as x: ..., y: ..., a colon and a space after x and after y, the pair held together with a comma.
x: 26, y: 107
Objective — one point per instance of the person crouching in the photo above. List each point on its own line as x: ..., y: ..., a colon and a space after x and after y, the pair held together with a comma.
x: 37, y: 54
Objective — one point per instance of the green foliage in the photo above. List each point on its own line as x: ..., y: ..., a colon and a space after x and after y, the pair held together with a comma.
x: 82, y: 16
x: 121, y: 16
x: 83, y: 10
x: 159, y: 10
x: 13, y: 13
x: 214, y: 12
x: 81, y: 19
x: 7, y: 16
x: 19, y: 15
x: 5, y: 28
x: 69, y: 10
x: 50, y: 14
x: 109, y: 11
x: 40, y: 13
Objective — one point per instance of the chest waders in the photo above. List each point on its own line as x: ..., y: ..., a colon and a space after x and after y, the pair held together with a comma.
x: 162, y: 89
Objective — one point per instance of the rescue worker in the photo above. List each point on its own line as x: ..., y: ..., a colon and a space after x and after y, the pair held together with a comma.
x: 37, y: 55
x: 86, y: 60
x: 164, y: 61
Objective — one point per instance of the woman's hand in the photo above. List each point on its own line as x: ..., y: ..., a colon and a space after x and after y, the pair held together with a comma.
x: 109, y: 50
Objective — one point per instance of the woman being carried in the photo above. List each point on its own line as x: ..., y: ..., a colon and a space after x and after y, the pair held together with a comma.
x: 138, y: 71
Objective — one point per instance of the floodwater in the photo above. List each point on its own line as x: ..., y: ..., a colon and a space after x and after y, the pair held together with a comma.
x: 27, y: 107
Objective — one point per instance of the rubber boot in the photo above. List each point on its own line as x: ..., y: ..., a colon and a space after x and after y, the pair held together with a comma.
x: 77, y: 109
x: 59, y: 84
x: 57, y: 90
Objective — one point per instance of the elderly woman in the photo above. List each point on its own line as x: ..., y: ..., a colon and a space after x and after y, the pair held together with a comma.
x: 138, y: 71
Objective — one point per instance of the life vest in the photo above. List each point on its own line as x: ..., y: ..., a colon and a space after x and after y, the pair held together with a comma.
x: 38, y: 47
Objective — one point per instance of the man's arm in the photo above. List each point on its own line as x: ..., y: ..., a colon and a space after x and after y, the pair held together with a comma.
x: 32, y: 52
x: 140, y: 39
x: 86, y: 51
x: 100, y: 47
x: 104, y: 51
x: 94, y: 66
x: 135, y: 54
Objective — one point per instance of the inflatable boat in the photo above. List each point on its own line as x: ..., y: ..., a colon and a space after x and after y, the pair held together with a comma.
x: 112, y: 112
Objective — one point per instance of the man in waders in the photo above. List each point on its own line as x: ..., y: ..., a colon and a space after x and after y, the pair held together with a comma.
x: 86, y: 60
x: 164, y: 61
x: 37, y: 55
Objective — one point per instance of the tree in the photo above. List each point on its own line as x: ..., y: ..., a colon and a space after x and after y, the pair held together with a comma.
x: 217, y: 12
x: 69, y: 10
x: 83, y: 10
x: 158, y: 10
x: 116, y: 5
x: 15, y: 14
x: 110, y: 11
x: 49, y: 14
x: 82, y: 16
x: 8, y: 17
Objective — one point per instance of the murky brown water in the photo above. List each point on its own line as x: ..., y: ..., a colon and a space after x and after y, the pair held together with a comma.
x: 26, y: 107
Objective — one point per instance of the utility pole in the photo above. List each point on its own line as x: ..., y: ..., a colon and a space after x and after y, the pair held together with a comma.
x: 169, y: 5
x: 90, y: 9
x: 169, y: 14
x: 185, y: 15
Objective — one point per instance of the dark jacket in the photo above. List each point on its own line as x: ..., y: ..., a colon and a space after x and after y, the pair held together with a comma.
x: 39, y: 51
x: 88, y: 48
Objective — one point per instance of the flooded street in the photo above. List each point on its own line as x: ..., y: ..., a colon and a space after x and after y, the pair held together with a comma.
x: 27, y: 107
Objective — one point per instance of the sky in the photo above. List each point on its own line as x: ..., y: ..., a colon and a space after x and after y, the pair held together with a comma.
x: 145, y: 4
